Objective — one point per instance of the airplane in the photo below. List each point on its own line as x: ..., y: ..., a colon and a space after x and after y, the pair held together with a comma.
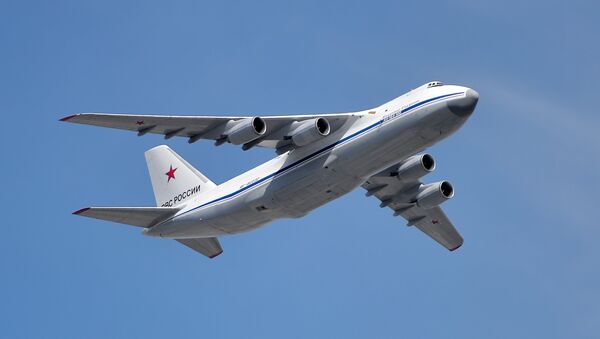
x: 320, y: 157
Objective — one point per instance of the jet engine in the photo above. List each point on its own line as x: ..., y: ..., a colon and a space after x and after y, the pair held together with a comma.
x: 432, y: 195
x: 246, y: 130
x: 310, y: 131
x: 415, y: 167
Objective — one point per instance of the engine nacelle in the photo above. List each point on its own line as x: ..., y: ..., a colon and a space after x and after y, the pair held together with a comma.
x: 415, y: 167
x: 310, y: 131
x: 246, y: 130
x: 433, y: 195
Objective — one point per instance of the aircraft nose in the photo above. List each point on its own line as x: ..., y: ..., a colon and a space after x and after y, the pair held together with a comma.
x: 465, y: 106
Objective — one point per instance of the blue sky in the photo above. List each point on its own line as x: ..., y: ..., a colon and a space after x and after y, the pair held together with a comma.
x: 525, y: 168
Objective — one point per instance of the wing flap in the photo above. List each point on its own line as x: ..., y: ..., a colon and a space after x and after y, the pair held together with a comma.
x: 135, y: 216
x: 209, y: 247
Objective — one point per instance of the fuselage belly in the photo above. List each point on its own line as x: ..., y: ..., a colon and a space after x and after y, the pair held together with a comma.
x: 295, y: 183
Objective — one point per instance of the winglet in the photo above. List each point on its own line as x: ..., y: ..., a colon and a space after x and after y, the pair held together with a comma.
x: 68, y: 117
x: 81, y: 210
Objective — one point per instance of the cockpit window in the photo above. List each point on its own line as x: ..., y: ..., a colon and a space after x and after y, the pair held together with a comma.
x: 435, y: 84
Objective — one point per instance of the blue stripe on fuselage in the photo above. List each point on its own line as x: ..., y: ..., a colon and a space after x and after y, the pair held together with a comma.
x: 309, y: 157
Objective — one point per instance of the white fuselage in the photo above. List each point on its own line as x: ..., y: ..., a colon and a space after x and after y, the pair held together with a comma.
x: 298, y: 181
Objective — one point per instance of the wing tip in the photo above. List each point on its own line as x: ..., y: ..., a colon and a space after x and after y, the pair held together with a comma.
x: 81, y: 210
x: 68, y: 117
x: 455, y: 248
x: 215, y: 255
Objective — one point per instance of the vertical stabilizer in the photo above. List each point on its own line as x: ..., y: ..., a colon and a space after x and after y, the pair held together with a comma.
x: 174, y: 180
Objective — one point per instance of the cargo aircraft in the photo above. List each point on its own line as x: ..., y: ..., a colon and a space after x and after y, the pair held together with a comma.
x: 320, y: 157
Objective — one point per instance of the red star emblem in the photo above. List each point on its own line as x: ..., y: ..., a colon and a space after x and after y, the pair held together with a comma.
x: 171, y: 173
x: 434, y: 221
x: 140, y: 122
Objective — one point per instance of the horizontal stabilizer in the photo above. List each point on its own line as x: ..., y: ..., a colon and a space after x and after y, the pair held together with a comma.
x: 136, y: 216
x: 210, y: 247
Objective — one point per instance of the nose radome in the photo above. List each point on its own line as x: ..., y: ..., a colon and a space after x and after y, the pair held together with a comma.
x: 463, y: 107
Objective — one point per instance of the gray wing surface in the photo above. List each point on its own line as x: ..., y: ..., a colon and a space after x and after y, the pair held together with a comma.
x: 435, y: 223
x: 201, y: 127
x: 432, y: 221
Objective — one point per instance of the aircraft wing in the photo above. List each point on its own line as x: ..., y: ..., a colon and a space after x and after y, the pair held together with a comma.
x: 218, y: 128
x: 135, y: 216
x: 431, y: 221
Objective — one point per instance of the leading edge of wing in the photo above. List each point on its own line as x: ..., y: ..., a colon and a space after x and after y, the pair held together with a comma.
x: 221, y: 129
x: 293, y: 116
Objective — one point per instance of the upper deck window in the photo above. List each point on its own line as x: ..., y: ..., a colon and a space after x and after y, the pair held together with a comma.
x: 435, y: 84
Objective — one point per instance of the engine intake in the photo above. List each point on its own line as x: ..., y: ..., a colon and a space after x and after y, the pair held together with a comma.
x: 310, y: 131
x: 415, y: 167
x: 433, y: 195
x: 246, y: 130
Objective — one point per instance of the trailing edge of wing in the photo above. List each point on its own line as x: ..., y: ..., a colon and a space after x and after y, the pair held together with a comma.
x: 209, y: 247
x: 135, y: 216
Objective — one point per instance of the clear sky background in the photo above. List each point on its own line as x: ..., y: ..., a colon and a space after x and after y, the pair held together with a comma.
x: 525, y: 168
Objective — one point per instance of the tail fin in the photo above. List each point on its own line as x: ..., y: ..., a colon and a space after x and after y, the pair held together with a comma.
x: 174, y: 180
